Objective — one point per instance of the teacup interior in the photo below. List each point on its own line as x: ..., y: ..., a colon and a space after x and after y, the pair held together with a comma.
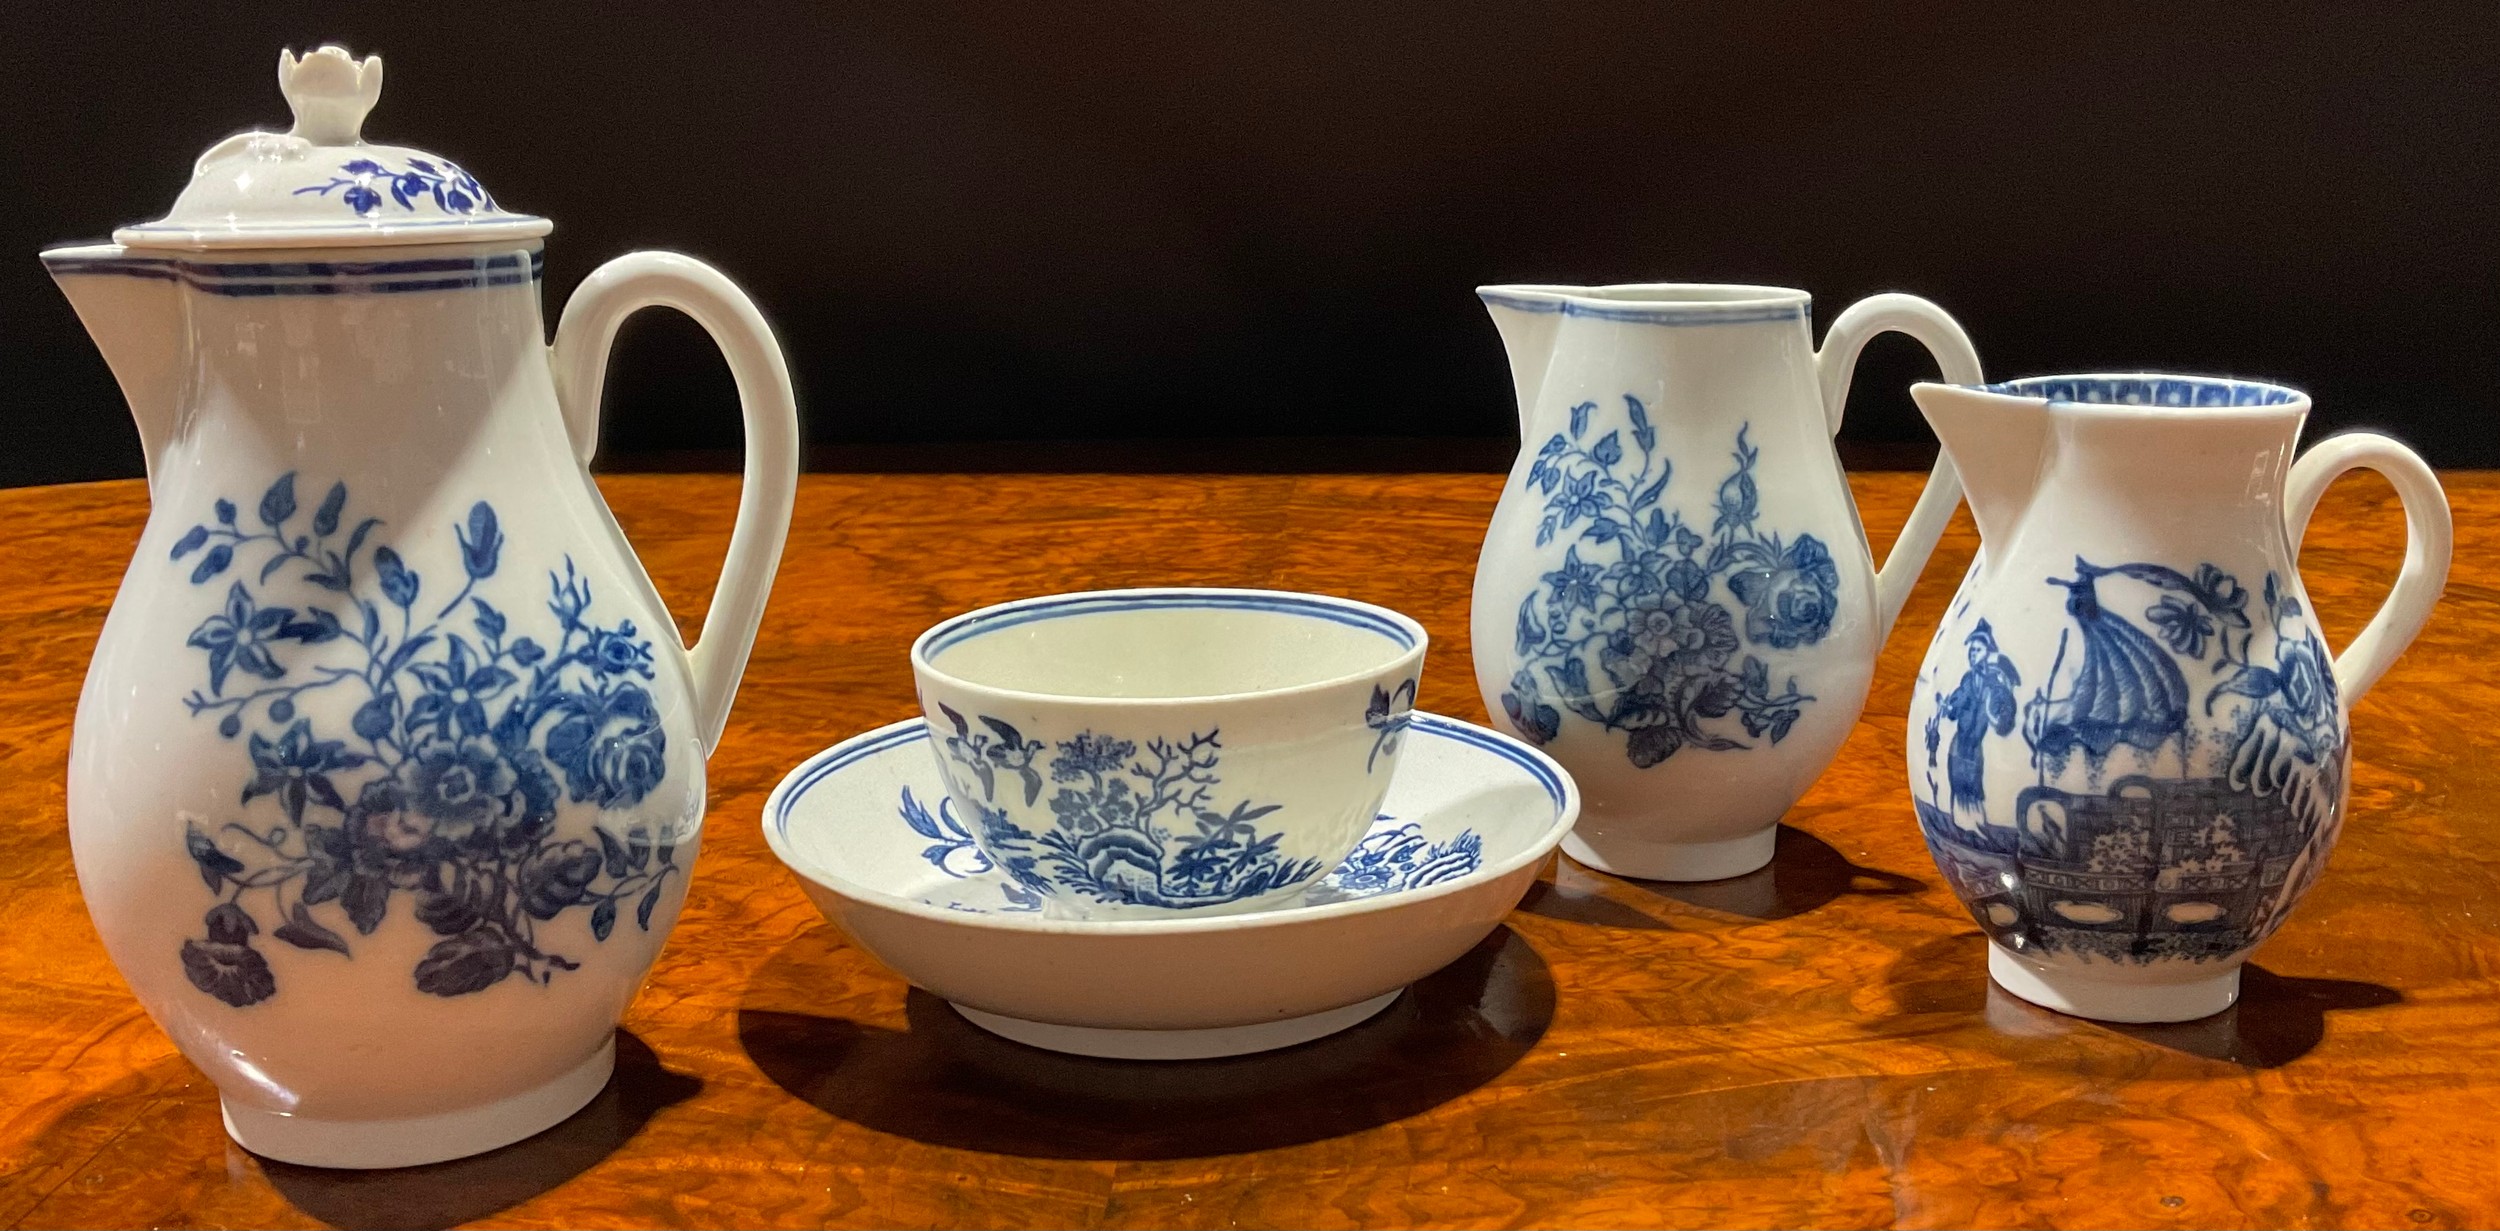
x: 1166, y: 651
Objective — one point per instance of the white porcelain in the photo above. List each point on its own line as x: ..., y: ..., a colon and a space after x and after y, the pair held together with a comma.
x: 1676, y: 598
x: 2128, y: 745
x: 389, y: 768
x: 1135, y: 754
x: 868, y: 827
x: 322, y: 184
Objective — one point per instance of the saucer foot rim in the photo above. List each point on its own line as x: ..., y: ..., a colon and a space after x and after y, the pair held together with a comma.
x: 1202, y: 1044
x: 416, y: 1140
x: 1674, y: 861
x: 2078, y: 995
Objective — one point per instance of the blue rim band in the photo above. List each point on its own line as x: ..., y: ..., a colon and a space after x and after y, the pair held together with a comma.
x: 1698, y: 312
x: 976, y: 624
x: 842, y: 756
x: 2147, y: 390
x: 251, y: 279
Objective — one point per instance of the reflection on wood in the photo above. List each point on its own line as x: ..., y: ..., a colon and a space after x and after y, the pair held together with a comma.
x: 1814, y: 1045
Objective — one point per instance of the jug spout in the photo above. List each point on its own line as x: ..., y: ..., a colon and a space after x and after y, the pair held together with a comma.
x: 1997, y: 441
x: 132, y: 307
x: 1528, y: 318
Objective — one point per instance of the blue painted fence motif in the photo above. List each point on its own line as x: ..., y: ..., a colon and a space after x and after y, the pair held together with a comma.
x: 1653, y: 617
x: 1393, y: 858
x: 445, y: 787
x: 1120, y: 813
x: 2199, y: 862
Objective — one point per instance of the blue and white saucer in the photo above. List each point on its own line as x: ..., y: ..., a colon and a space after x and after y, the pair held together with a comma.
x: 868, y: 828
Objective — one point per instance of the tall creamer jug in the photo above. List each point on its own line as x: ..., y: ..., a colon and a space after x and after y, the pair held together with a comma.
x: 2128, y: 747
x: 389, y: 770
x: 1676, y: 598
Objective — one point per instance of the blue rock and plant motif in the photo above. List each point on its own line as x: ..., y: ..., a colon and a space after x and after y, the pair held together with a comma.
x: 1131, y: 827
x: 444, y: 788
x: 2161, y: 824
x: 1393, y: 858
x: 1396, y: 857
x: 1664, y: 619
x: 362, y: 181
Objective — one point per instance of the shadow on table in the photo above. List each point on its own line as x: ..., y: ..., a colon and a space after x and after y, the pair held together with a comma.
x: 464, y: 1190
x: 1805, y: 873
x: 946, y: 1082
x: 1574, y: 894
x: 2278, y: 1019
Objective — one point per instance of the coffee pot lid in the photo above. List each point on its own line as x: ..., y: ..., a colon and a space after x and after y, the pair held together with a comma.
x: 321, y: 184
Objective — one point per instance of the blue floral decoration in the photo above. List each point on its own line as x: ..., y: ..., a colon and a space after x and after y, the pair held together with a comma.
x: 1788, y: 600
x: 1652, y: 618
x: 1392, y: 858
x: 1389, y: 714
x: 1397, y: 858
x: 362, y: 182
x: 951, y: 849
x: 444, y: 787
x: 1131, y: 827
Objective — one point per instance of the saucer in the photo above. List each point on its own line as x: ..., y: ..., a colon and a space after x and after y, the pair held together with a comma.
x: 878, y: 846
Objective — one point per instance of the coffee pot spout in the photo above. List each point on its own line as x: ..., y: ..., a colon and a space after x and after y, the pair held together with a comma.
x: 133, y: 310
x: 1997, y: 441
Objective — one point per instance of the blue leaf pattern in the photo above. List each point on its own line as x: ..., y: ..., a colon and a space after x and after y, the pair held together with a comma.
x: 444, y: 788
x: 1130, y: 828
x: 1394, y: 857
x: 360, y: 182
x: 1648, y: 618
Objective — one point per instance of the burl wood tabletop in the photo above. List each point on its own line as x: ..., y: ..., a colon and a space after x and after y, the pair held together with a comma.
x: 1816, y: 1044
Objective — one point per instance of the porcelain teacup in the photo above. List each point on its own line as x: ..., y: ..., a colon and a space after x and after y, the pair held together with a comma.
x: 1157, y: 753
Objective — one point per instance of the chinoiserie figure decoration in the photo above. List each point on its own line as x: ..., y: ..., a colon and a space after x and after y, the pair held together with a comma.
x: 2146, y: 757
x: 1982, y: 702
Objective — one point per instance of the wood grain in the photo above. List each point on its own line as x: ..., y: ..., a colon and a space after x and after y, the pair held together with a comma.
x: 1812, y: 1045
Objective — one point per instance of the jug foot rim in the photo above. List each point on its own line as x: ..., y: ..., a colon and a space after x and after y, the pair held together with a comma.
x: 1674, y: 861
x: 1200, y: 1044
x: 2089, y: 995
x: 412, y: 1141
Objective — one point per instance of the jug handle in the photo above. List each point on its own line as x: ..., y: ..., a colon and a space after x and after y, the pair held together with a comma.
x: 2430, y: 540
x: 641, y: 280
x: 1836, y: 363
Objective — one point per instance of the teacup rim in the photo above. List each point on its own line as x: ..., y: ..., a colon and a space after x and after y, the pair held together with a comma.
x: 2295, y: 400
x: 1410, y: 658
x: 884, y: 739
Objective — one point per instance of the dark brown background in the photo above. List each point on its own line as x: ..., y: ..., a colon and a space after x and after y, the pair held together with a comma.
x: 976, y: 221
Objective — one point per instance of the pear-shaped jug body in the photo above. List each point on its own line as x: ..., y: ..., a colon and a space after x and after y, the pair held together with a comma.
x: 388, y: 774
x: 2127, y: 748
x: 386, y: 779
x: 1675, y: 597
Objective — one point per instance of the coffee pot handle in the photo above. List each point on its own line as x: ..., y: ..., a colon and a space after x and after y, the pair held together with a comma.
x: 641, y: 280
x: 1836, y: 363
x: 2429, y: 541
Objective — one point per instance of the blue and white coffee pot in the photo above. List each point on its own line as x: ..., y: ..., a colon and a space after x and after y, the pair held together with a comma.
x: 389, y: 769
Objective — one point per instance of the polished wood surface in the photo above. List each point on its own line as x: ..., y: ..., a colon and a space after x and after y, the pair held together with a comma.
x: 1813, y: 1045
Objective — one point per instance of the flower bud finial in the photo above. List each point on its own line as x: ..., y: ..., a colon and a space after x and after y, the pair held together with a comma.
x: 330, y: 90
